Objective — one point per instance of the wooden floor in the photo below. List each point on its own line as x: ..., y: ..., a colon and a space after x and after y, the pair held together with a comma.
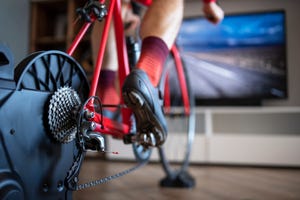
x: 212, y: 182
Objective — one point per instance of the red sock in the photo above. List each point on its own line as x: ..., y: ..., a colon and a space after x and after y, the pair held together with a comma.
x: 153, y: 56
x: 106, y: 89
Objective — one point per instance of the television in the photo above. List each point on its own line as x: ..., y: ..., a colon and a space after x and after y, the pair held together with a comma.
x: 240, y: 61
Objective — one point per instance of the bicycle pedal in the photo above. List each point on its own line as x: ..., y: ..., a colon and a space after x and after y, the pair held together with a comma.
x: 147, y: 139
x: 129, y: 138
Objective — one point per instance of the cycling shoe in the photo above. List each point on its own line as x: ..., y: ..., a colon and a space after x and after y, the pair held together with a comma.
x: 146, y: 103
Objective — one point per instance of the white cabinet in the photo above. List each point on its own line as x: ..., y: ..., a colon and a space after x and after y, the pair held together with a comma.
x: 237, y: 135
x: 249, y: 135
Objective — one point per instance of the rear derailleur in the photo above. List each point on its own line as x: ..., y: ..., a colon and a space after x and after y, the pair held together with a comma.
x: 68, y: 120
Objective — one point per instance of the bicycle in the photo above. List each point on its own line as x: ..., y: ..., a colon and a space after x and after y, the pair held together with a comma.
x: 67, y: 117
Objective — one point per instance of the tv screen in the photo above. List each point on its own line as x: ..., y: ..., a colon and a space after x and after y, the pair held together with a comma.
x: 240, y: 61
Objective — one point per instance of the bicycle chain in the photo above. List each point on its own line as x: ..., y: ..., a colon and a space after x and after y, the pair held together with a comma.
x: 71, y: 180
x: 110, y: 178
x: 72, y: 176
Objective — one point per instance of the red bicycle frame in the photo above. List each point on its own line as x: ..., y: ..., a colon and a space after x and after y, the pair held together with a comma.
x: 106, y: 125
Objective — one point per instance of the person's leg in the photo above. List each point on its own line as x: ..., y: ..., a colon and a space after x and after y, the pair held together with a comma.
x: 106, y: 87
x: 163, y: 19
x: 159, y: 29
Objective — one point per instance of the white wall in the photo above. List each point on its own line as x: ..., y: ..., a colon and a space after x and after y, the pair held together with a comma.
x: 14, y: 27
x: 193, y: 7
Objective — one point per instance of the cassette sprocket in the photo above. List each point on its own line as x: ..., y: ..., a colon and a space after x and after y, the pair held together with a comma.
x: 62, y: 114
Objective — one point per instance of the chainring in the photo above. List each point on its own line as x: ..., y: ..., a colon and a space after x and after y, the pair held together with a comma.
x: 62, y: 114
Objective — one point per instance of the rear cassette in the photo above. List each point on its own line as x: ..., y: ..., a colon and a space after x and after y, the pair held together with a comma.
x: 62, y: 111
